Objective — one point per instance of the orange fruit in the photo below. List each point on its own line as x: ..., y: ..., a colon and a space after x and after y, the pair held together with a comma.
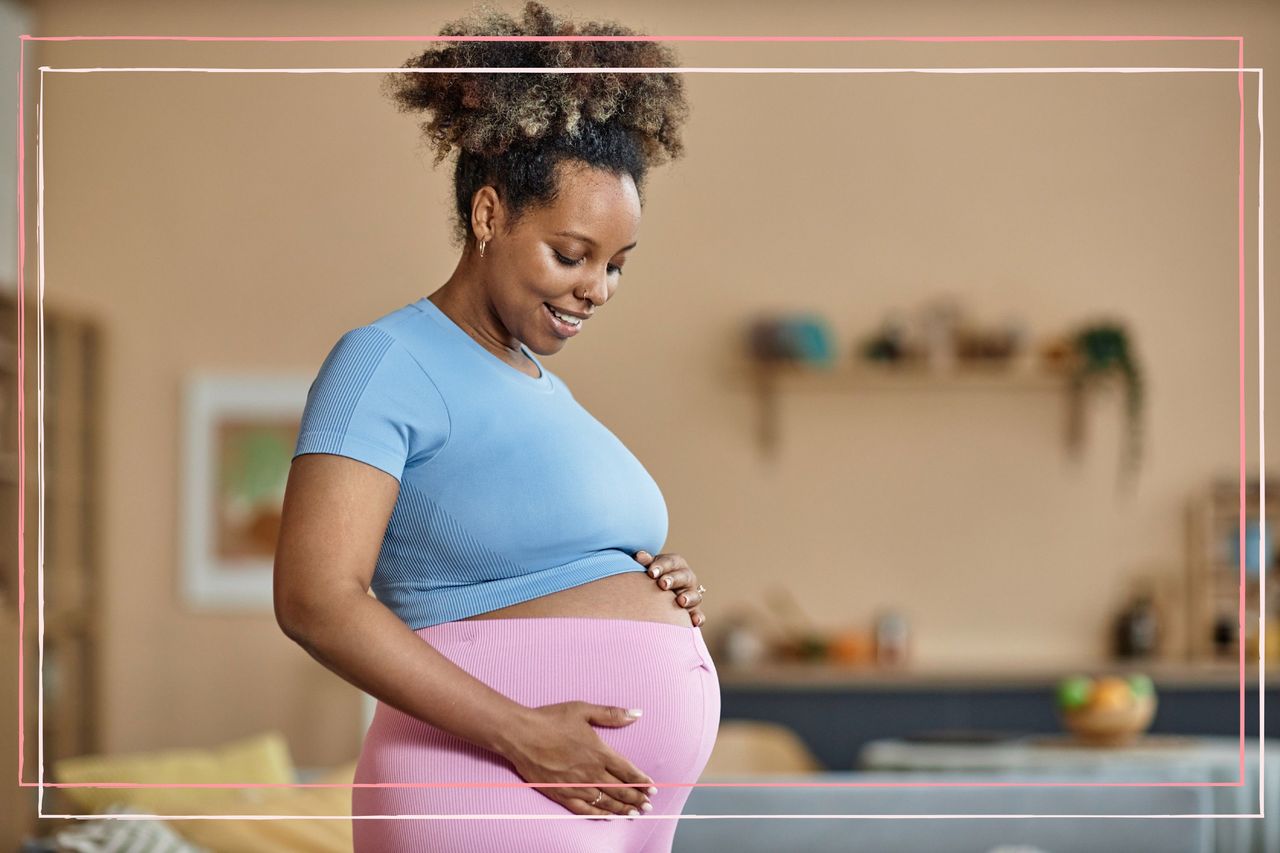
x: 1111, y: 692
x: 851, y: 646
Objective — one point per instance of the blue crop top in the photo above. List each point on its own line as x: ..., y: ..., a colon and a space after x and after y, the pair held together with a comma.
x: 509, y: 488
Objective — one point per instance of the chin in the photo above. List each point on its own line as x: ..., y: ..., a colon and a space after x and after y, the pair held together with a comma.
x: 550, y: 348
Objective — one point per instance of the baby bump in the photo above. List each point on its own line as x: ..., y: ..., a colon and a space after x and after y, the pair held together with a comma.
x: 628, y: 595
x: 662, y: 669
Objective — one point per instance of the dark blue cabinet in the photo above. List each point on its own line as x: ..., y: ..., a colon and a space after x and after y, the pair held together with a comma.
x: 836, y: 721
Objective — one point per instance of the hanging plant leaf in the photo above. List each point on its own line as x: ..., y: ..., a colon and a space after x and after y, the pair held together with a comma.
x: 1105, y: 349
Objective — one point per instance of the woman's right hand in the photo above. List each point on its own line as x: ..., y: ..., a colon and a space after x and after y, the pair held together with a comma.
x: 557, y: 744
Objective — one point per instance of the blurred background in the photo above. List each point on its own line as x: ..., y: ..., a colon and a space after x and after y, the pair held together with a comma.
x: 939, y: 375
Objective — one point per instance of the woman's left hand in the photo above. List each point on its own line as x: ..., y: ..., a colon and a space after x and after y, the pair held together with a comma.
x: 672, y: 573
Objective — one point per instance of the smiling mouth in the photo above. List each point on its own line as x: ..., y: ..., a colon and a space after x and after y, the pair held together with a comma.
x: 562, y: 328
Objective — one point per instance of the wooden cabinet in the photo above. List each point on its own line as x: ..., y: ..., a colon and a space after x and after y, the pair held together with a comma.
x: 65, y: 456
x: 1213, y: 567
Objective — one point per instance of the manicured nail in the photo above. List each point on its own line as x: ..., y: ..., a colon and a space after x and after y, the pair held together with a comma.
x: 647, y: 807
x: 652, y: 790
x: 654, y: 571
x: 665, y: 582
x: 634, y: 712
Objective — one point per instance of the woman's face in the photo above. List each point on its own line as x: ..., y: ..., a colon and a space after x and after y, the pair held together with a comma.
x: 558, y: 254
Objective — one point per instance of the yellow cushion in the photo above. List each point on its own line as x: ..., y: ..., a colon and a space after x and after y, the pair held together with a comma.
x: 260, y: 758
x: 263, y: 758
x: 272, y: 836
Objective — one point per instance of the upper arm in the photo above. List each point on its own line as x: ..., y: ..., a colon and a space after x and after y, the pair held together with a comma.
x: 370, y: 411
x: 334, y: 516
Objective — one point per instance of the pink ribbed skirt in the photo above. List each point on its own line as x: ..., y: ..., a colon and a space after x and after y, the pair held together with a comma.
x: 662, y: 668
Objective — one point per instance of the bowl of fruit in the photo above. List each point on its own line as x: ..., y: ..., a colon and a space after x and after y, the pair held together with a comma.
x: 1107, y: 710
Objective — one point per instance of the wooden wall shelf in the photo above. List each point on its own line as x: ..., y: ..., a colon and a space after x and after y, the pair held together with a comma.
x: 770, y: 380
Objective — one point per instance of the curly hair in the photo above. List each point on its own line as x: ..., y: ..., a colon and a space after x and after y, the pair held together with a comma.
x: 513, y: 130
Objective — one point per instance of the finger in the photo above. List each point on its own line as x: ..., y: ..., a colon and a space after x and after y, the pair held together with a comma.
x: 627, y: 798
x: 622, y: 801
x: 697, y: 617
x: 625, y: 771
x: 644, y: 557
x: 676, y: 580
x: 689, y: 598
x: 664, y: 563
x: 584, y: 807
x: 613, y: 801
x: 602, y: 799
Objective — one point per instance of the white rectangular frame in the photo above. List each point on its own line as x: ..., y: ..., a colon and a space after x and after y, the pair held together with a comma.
x: 207, y: 582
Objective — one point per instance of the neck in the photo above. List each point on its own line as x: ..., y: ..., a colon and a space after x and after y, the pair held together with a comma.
x: 463, y: 299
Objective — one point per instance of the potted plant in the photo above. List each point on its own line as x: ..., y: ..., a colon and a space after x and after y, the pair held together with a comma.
x: 1101, y: 351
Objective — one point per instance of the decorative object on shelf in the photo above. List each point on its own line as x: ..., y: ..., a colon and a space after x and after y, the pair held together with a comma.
x: 1002, y: 344
x: 892, y: 638
x: 1100, y: 350
x: 1224, y: 637
x: 1137, y: 627
x: 855, y: 645
x: 802, y: 338
x: 240, y: 436
x: 1255, y: 546
x: 750, y: 634
x: 799, y: 637
x: 739, y: 640
x: 891, y: 342
x: 941, y: 339
x: 940, y: 322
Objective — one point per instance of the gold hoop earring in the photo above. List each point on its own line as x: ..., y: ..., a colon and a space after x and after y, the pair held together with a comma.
x: 482, y: 242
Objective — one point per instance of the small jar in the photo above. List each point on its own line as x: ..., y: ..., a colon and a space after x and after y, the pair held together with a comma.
x: 892, y: 638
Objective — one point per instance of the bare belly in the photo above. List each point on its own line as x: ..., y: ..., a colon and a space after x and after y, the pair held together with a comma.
x: 630, y: 595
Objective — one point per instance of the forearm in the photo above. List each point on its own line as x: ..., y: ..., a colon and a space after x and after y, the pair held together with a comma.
x: 361, y: 640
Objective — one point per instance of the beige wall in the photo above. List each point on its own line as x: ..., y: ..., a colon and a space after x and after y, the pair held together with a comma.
x: 242, y: 222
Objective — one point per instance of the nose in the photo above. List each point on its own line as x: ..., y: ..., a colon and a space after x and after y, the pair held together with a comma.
x: 596, y: 291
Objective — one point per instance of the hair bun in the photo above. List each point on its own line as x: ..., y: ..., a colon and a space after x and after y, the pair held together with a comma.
x: 486, y: 113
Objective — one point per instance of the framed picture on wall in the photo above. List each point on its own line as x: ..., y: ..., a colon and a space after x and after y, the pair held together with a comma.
x: 240, y: 432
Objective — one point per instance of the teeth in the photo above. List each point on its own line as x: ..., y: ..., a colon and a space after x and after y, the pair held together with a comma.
x: 572, y: 321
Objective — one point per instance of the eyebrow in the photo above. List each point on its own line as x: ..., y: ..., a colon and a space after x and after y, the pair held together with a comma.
x: 584, y: 238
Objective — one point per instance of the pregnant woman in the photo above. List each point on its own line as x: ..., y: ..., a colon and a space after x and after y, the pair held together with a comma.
x: 511, y: 540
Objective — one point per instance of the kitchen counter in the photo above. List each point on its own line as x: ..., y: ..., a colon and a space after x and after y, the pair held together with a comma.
x: 828, y: 676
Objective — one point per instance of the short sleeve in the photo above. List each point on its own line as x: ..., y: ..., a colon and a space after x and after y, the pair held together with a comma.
x: 372, y: 401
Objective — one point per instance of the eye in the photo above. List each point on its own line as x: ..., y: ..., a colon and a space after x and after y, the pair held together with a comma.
x: 571, y: 262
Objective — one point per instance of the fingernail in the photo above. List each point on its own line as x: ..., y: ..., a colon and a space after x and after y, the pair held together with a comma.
x: 654, y: 571
x: 682, y: 599
x: 647, y: 807
x: 634, y: 712
x: 633, y: 812
x: 652, y: 790
x: 665, y: 582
